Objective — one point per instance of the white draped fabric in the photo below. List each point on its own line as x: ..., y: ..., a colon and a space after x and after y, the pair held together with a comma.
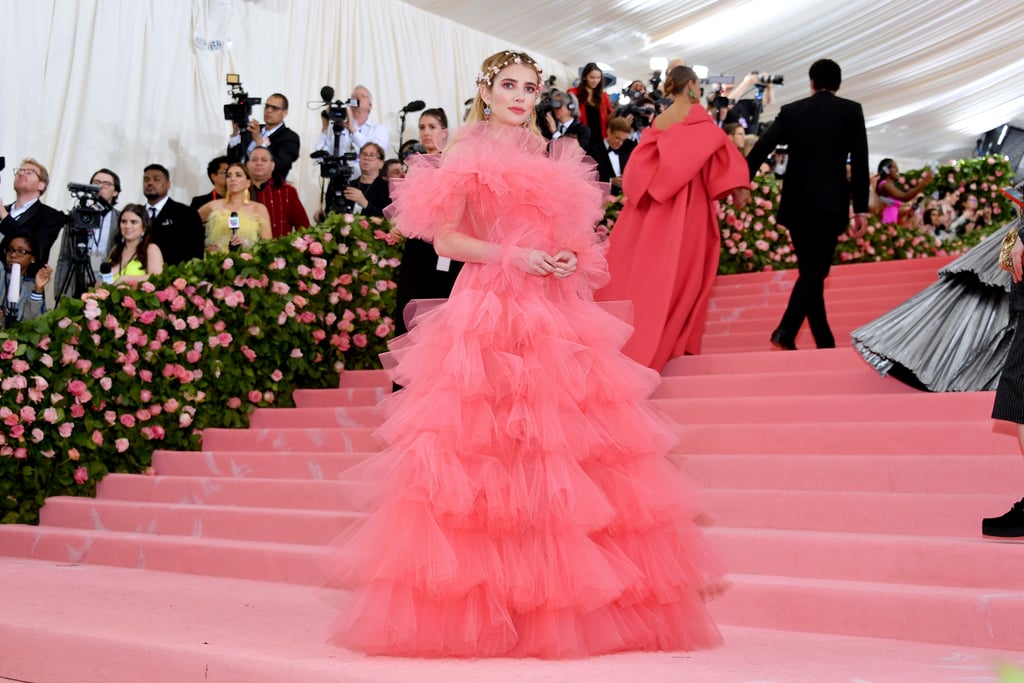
x: 124, y: 83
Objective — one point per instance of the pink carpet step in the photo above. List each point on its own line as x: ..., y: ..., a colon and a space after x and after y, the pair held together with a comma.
x: 882, y: 558
x: 355, y: 396
x: 923, y: 514
x: 850, y: 438
x: 259, y: 524
x: 283, y: 440
x: 839, y: 279
x: 840, y: 298
x: 323, y: 417
x: 857, y: 382
x: 177, y: 628
x: 992, y: 474
x: 273, y: 493
x: 767, y: 360
x: 262, y: 561
x: 921, y: 266
x: 759, y: 320
x: 265, y: 465
x: 742, y: 342
x: 971, y: 407
x: 973, y: 617
x: 364, y: 378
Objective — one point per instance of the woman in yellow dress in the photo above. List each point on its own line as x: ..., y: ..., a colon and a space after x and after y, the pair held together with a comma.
x: 134, y: 258
x: 235, y: 222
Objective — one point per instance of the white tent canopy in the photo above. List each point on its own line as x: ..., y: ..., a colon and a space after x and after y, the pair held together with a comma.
x: 122, y: 83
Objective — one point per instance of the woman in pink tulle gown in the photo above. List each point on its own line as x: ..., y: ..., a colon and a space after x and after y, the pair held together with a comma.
x: 524, y: 505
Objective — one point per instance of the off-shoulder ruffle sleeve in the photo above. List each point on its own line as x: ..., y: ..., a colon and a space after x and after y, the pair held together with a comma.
x: 432, y: 195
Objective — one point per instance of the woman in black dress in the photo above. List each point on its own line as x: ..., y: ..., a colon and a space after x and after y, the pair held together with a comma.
x: 423, y: 274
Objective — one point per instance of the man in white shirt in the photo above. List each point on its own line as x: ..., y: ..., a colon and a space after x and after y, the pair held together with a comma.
x: 100, y: 240
x: 357, y: 131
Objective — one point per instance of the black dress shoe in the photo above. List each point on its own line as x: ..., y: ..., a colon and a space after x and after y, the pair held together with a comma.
x: 781, y: 340
x: 1010, y: 525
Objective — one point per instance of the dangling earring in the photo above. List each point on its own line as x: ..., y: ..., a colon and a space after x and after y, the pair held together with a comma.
x: 227, y: 197
x: 245, y: 196
x: 487, y: 112
x: 693, y: 95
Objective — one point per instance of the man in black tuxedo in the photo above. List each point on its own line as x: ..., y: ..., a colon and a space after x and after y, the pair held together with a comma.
x: 176, y: 227
x: 822, y: 132
x: 612, y: 153
x: 281, y: 140
x: 28, y: 213
x: 217, y: 171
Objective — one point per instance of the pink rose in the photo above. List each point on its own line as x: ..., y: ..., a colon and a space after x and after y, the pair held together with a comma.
x: 228, y: 264
x: 128, y: 420
x: 359, y: 340
x: 21, y: 453
x: 121, y: 445
x: 171, y: 405
x: 316, y: 248
x: 382, y: 330
x: 276, y: 376
x: 19, y: 366
x: 81, y: 475
x: 9, y: 346
x: 296, y: 353
x: 255, y: 396
x: 184, y: 420
x: 76, y: 387
x: 65, y: 429
x: 50, y: 415
x: 97, y: 437
x: 28, y: 414
x: 234, y: 403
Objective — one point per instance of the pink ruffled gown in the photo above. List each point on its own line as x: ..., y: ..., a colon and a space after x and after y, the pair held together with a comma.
x: 524, y: 505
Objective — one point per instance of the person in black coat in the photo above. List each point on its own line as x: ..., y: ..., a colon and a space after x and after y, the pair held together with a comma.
x: 217, y: 171
x: 177, y: 228
x: 616, y: 146
x: 281, y: 140
x: 822, y: 132
x: 28, y: 214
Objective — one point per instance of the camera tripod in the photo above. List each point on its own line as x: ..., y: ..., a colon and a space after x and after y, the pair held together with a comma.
x: 80, y: 276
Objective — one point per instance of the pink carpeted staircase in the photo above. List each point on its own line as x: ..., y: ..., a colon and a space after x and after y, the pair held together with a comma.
x: 847, y: 506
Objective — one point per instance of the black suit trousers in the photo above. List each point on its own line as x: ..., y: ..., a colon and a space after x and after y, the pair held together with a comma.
x: 814, y: 241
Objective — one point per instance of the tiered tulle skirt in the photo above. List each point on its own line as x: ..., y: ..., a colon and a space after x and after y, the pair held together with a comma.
x: 524, y: 505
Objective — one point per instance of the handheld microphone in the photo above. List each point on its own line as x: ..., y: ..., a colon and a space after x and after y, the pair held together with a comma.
x: 106, y: 277
x: 233, y: 223
x: 415, y: 105
x: 14, y: 289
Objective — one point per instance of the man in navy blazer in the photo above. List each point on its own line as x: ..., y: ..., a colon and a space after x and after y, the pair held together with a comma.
x: 28, y: 213
x: 823, y: 133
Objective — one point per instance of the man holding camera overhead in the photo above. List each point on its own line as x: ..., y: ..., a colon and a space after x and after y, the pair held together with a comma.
x: 273, y: 135
x: 357, y: 131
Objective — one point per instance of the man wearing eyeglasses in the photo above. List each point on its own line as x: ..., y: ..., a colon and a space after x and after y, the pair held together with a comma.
x: 28, y: 213
x: 101, y: 238
x: 279, y: 139
x: 358, y: 131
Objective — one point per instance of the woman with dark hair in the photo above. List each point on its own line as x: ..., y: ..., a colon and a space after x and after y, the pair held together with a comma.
x: 663, y: 253
x: 134, y: 258
x: 896, y: 202
x: 23, y: 249
x: 595, y: 107
x: 423, y: 274
x: 236, y: 221
x: 369, y: 191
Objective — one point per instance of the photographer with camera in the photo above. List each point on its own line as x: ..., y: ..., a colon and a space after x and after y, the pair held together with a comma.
x: 89, y: 244
x: 356, y: 128
x: 23, y: 280
x: 273, y: 135
x: 747, y: 112
x: 559, y: 110
x: 28, y: 213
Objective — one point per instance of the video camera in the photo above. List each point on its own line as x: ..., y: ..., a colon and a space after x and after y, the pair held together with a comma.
x: 89, y: 209
x: 239, y: 111
x: 336, y: 111
x: 770, y: 79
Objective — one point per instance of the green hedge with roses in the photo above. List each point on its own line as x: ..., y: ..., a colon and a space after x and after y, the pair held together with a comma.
x: 96, y: 386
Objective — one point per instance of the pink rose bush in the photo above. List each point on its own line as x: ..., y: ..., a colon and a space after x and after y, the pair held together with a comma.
x: 96, y: 386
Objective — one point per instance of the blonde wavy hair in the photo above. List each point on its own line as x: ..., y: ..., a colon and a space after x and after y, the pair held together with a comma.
x: 491, y: 67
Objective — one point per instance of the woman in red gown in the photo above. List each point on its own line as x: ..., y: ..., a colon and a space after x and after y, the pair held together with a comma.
x: 664, y: 249
x: 523, y: 505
